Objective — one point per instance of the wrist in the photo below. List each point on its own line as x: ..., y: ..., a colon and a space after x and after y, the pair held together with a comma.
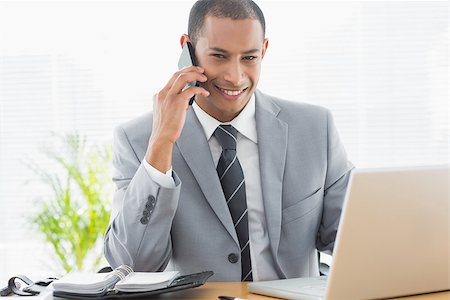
x: 159, y: 154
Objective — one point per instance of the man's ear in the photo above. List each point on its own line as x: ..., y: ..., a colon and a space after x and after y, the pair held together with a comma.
x: 184, y: 38
x: 265, y: 45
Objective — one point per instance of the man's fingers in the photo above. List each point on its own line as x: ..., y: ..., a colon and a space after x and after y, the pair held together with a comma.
x: 193, y: 91
x: 178, y: 73
x: 177, y: 87
x: 183, y: 79
x: 192, y: 68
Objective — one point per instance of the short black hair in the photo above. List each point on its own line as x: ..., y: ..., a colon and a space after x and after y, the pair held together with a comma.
x: 234, y: 9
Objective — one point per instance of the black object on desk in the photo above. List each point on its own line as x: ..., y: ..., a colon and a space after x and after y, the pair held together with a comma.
x: 180, y: 283
x: 30, y: 288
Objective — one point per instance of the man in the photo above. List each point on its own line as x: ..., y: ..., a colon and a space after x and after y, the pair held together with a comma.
x: 241, y: 183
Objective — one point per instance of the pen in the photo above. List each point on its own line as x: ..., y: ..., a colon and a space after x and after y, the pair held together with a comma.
x: 229, y: 298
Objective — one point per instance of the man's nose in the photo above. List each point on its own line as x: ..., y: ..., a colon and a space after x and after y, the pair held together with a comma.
x: 234, y: 73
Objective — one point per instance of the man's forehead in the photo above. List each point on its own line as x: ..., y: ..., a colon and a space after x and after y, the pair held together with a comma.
x: 218, y: 32
x: 213, y: 24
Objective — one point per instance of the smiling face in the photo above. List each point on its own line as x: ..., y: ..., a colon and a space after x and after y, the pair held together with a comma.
x: 230, y: 51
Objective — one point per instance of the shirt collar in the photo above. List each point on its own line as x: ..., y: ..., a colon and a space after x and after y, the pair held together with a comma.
x: 245, y: 122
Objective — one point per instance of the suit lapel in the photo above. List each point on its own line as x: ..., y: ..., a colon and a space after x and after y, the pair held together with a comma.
x: 195, y: 150
x: 272, y: 145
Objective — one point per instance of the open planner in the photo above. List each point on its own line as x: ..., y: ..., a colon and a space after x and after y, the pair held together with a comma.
x: 123, y: 282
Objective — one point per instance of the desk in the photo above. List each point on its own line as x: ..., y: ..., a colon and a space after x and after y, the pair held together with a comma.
x: 211, y: 290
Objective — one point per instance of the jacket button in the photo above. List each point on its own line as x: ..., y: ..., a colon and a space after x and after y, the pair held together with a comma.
x: 146, y: 213
x: 233, y: 258
x: 151, y: 199
x: 144, y: 220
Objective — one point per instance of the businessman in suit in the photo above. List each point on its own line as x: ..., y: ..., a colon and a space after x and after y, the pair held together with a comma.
x: 242, y: 183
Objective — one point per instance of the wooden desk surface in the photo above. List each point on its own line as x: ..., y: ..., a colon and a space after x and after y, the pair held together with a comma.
x: 211, y: 290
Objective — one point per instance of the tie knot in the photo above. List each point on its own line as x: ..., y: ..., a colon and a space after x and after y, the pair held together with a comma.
x: 226, y: 135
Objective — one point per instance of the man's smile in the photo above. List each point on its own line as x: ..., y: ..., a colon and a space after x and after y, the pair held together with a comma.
x: 233, y: 93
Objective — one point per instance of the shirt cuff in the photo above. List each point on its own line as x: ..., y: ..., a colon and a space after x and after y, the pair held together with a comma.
x: 163, y: 179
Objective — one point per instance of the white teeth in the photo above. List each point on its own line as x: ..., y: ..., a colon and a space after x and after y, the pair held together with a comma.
x: 232, y: 93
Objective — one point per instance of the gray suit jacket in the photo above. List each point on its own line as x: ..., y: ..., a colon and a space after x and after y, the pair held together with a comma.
x: 304, y: 174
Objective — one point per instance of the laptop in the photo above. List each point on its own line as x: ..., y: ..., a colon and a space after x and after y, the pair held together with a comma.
x: 393, y: 240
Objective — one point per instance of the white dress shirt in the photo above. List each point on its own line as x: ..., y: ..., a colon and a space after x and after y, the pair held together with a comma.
x: 248, y: 155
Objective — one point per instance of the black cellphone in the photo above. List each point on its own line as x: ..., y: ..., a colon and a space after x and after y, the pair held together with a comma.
x: 187, y: 59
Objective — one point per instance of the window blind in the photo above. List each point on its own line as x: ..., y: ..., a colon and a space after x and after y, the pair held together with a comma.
x: 381, y: 67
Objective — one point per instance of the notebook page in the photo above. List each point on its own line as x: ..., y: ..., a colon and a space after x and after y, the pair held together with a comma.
x: 91, y: 283
x: 146, y: 281
x: 79, y: 282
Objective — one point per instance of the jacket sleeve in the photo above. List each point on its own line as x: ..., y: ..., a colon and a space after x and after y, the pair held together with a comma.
x: 337, y: 178
x: 141, y: 214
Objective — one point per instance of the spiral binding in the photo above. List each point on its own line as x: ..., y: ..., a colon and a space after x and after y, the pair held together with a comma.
x: 121, y: 272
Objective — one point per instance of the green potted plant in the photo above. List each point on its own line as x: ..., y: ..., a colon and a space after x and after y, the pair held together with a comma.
x: 75, y: 214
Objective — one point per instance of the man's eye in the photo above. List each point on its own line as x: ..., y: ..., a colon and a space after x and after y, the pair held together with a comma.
x: 250, y: 57
x: 218, y: 55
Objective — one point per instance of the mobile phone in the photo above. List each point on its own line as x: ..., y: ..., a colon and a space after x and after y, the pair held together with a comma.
x: 187, y: 59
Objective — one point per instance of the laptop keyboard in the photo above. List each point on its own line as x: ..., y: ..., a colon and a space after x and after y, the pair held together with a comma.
x: 317, y: 285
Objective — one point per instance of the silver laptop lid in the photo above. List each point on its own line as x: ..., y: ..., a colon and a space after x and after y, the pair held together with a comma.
x: 393, y: 238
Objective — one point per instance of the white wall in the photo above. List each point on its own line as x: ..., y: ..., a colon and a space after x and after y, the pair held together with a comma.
x: 381, y: 67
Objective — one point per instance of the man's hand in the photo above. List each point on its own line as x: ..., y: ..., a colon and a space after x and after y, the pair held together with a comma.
x: 169, y: 114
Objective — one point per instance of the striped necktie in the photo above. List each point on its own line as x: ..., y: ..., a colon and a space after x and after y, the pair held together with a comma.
x: 233, y: 186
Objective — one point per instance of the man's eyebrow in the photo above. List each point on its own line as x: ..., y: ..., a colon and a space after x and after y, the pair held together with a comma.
x: 225, y: 51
